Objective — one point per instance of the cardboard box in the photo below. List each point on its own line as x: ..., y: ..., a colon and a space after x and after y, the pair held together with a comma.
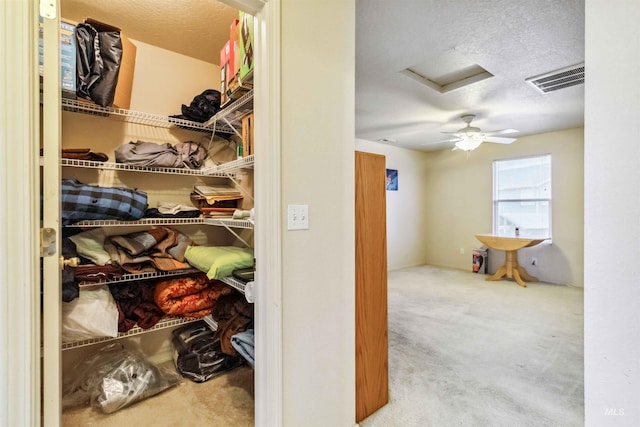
x: 122, y: 98
x: 225, y: 70
x: 234, y: 38
x: 247, y: 134
x: 246, y: 44
x: 230, y: 64
x: 67, y: 56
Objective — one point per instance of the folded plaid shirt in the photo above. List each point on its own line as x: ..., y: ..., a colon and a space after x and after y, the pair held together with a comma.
x: 88, y: 202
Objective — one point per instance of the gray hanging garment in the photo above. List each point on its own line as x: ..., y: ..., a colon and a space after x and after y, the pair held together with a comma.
x: 191, y: 154
x: 148, y: 154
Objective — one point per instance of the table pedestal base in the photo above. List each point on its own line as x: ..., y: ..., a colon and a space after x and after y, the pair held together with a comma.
x: 512, y: 270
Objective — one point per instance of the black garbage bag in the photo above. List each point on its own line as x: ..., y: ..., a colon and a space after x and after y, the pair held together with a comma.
x: 88, y: 59
x: 202, y: 107
x: 99, y: 54
x: 198, y: 355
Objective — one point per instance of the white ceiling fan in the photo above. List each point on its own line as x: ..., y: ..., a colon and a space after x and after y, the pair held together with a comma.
x: 469, y: 138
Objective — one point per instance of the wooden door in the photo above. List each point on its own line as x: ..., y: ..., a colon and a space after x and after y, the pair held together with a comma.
x: 372, y: 377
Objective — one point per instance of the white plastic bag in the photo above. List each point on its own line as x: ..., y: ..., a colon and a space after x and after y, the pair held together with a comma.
x: 93, y: 314
x: 114, y: 378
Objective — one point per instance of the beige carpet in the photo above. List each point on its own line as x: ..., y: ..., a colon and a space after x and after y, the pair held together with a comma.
x: 223, y: 401
x: 466, y: 352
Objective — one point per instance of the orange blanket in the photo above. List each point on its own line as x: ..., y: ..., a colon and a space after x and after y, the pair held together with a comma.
x: 189, y: 296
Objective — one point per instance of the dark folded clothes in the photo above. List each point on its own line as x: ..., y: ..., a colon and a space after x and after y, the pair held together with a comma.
x: 135, y: 305
x: 70, y: 289
x: 83, y: 154
x: 234, y: 315
x: 155, y: 213
x: 98, y: 273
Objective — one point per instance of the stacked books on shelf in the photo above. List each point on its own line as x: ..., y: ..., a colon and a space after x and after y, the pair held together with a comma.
x: 216, y: 201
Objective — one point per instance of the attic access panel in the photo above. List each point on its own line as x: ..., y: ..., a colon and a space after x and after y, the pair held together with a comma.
x: 450, y: 80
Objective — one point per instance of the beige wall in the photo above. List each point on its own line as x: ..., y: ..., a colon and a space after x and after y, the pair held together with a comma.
x: 612, y: 213
x: 458, y: 188
x: 159, y: 82
x: 318, y: 279
x: 406, y: 226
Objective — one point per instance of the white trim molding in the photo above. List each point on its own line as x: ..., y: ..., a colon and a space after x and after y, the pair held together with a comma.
x: 19, y: 216
x: 268, y: 242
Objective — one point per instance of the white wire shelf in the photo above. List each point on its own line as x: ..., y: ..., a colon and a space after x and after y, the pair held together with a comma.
x: 218, y: 222
x: 232, y: 114
x: 234, y: 165
x: 230, y: 222
x: 234, y: 283
x: 223, y: 170
x: 210, y: 172
x: 164, y: 323
x: 209, y: 320
x: 138, y: 117
x: 144, y: 221
x: 141, y: 276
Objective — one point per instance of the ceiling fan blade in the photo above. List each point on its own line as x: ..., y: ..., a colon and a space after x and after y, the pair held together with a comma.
x: 500, y: 132
x: 442, y: 141
x: 499, y: 140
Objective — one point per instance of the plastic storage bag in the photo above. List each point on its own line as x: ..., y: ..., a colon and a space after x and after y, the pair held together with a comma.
x: 99, y: 53
x: 198, y: 356
x: 93, y: 314
x: 114, y: 378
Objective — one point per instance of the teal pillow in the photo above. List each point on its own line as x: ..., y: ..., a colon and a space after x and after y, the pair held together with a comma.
x: 219, y: 261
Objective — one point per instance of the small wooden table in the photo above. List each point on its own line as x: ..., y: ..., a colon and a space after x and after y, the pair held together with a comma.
x: 511, y: 268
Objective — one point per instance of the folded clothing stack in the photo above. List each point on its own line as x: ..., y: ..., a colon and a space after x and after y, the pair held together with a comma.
x: 89, y: 202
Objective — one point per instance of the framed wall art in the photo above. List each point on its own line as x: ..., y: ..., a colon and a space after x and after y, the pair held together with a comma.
x: 392, y: 180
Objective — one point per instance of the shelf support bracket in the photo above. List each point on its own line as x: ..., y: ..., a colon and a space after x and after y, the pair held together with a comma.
x: 236, y: 235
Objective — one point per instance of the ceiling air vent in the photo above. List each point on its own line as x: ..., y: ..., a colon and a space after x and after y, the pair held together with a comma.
x: 558, y: 79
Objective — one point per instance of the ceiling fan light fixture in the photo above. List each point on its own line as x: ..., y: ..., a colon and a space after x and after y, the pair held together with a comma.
x: 469, y: 144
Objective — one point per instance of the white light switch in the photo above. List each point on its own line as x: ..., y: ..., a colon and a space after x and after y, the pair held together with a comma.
x: 298, y: 217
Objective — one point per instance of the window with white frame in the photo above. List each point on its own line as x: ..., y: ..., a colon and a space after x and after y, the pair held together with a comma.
x: 522, y: 196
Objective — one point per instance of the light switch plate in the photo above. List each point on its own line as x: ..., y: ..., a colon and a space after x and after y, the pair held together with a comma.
x: 298, y: 217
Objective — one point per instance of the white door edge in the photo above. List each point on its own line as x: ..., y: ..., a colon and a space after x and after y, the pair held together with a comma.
x: 19, y: 216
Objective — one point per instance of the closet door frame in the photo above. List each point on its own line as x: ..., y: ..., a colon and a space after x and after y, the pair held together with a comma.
x: 268, y: 232
x: 19, y: 215
x: 20, y: 327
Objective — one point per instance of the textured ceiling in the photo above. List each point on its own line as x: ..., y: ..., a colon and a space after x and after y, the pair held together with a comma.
x: 196, y: 28
x: 511, y: 39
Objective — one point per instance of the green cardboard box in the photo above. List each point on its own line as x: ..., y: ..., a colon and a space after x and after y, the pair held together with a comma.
x: 246, y: 44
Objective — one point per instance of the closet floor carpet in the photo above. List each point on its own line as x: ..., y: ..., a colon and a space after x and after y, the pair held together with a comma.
x: 226, y: 400
x: 467, y: 352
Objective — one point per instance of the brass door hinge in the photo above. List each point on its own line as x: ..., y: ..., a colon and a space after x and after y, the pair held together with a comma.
x: 48, y: 9
x: 47, y: 242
